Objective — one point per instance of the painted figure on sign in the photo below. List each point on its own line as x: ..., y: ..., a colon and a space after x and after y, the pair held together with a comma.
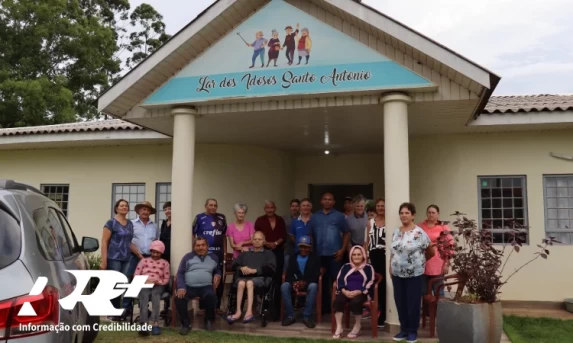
x: 304, y: 46
x: 259, y: 49
x: 290, y: 43
x: 274, y: 48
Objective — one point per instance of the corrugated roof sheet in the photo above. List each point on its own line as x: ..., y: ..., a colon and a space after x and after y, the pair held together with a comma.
x: 529, y: 103
x: 91, y: 126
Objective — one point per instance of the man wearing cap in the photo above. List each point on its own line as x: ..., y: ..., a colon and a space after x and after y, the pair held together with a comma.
x: 144, y: 233
x: 302, y: 274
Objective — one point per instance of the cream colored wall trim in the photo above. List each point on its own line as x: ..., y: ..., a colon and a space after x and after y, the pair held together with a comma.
x: 543, y: 117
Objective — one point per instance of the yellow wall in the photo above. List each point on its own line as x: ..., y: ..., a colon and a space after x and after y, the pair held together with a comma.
x: 227, y: 173
x: 345, y: 169
x: 444, y: 171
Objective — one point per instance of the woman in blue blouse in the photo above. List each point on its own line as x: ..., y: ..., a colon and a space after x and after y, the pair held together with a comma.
x: 116, y: 245
x: 410, y: 248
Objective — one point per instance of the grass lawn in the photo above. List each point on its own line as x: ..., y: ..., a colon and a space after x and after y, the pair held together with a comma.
x: 171, y: 335
x: 538, y: 330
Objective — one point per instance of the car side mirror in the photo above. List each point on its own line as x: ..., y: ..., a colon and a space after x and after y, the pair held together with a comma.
x: 89, y: 244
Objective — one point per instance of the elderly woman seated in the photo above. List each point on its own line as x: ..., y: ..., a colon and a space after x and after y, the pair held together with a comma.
x: 253, y: 269
x: 354, y: 287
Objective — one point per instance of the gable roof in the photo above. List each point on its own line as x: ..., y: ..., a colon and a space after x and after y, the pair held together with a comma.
x: 223, y: 15
x: 529, y: 103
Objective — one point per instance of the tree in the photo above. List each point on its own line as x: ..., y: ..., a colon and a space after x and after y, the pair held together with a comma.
x: 151, y: 37
x: 57, y: 56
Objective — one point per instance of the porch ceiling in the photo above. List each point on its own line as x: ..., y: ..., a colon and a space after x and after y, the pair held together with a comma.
x: 342, y: 129
x: 457, y: 77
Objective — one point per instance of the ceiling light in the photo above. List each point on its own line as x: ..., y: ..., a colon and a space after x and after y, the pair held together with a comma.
x: 326, y: 152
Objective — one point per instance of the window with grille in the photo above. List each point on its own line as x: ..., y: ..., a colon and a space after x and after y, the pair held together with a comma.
x: 134, y: 193
x: 503, y: 205
x: 162, y: 195
x: 558, y: 193
x: 58, y: 193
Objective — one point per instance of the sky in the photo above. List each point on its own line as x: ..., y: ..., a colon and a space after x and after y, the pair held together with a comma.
x: 529, y: 43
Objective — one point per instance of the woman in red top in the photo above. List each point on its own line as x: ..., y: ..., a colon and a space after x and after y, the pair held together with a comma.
x: 436, y: 266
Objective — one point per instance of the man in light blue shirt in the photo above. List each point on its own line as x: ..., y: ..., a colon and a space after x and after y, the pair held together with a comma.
x: 145, y: 231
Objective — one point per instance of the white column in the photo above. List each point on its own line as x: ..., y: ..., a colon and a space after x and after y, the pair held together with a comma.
x: 182, y: 183
x: 396, y: 182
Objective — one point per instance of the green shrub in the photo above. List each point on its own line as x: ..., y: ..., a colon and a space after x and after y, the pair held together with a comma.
x: 94, y: 260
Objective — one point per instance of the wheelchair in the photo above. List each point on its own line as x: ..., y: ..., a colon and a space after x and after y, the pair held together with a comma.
x: 165, y: 296
x: 262, y: 302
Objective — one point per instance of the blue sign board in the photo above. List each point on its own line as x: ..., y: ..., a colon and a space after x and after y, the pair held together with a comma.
x: 282, y: 50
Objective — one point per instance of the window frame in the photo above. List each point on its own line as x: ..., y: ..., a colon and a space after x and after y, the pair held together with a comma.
x: 545, y: 208
x: 131, y: 204
x: 525, y: 204
x: 67, y: 211
x: 158, y: 203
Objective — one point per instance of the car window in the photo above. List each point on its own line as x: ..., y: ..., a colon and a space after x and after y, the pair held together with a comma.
x: 71, y: 237
x: 46, y: 236
x: 10, y: 239
x: 61, y: 239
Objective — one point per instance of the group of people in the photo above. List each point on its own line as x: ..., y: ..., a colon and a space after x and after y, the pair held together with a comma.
x: 349, y: 247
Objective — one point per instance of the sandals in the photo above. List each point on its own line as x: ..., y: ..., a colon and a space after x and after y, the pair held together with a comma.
x: 337, y: 335
x: 248, y: 319
x: 231, y: 319
x: 353, y: 335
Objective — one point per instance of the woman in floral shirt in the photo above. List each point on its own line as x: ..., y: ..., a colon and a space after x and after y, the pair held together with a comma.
x: 410, y: 248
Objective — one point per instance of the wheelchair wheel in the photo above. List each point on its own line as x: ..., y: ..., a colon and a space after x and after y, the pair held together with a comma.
x: 264, y: 318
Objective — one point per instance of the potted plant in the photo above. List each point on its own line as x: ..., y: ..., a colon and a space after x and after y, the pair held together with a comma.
x: 474, y: 314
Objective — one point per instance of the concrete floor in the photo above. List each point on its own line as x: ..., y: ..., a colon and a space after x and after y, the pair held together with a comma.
x: 322, y: 330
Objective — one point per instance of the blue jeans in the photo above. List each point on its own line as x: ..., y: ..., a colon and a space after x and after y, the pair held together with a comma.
x: 134, y: 260
x: 407, y: 295
x: 118, y: 266
x: 332, y: 267
x: 286, y: 290
x: 259, y: 53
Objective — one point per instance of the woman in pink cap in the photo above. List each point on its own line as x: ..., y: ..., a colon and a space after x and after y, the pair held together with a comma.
x: 157, y: 271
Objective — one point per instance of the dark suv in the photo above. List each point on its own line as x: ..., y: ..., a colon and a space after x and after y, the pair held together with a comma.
x: 37, y: 240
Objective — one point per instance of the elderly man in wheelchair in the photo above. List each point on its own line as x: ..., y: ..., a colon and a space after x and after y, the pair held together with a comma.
x: 254, y: 270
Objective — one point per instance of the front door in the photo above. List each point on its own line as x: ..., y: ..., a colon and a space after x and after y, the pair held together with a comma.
x: 340, y: 191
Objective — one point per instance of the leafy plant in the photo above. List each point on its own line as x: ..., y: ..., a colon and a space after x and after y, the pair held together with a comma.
x: 94, y: 260
x: 479, y: 263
